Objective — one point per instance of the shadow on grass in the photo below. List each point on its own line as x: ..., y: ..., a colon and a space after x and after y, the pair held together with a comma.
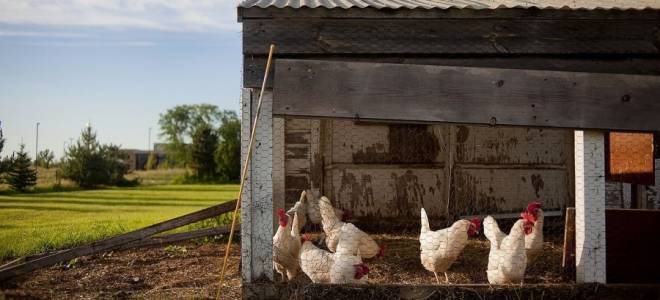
x: 43, y: 190
x: 55, y: 208
x: 137, y: 202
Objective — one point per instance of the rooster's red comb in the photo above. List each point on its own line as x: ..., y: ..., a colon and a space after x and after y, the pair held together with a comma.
x: 532, y: 206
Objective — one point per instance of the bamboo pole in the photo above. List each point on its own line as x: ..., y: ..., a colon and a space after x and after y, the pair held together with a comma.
x: 245, y: 168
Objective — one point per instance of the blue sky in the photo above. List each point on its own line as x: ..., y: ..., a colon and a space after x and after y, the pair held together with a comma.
x: 114, y: 63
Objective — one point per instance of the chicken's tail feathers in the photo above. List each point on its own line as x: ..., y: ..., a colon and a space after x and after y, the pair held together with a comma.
x: 295, y: 228
x: 303, y: 197
x: 425, y: 221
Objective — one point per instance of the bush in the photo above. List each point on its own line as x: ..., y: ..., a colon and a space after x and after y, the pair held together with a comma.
x: 90, y: 164
x: 21, y: 175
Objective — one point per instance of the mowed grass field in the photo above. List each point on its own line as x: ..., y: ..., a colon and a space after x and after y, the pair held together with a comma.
x: 43, y: 221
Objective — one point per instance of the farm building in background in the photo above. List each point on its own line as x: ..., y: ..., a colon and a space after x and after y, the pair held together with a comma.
x: 463, y: 109
x: 137, y: 159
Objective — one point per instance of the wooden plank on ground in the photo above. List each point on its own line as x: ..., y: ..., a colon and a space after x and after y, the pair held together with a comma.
x: 118, y: 240
x: 568, y: 259
x: 421, y: 93
x: 178, y: 237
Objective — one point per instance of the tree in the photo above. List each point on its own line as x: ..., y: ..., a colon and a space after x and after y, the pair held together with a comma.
x: 152, y: 161
x: 3, y: 162
x: 90, y: 164
x: 21, y: 175
x: 228, y: 154
x: 45, y: 158
x: 205, y: 142
x: 179, y: 124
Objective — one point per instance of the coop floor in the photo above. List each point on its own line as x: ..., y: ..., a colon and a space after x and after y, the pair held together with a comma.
x: 192, y: 270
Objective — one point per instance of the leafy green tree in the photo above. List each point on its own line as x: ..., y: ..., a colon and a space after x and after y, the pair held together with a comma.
x: 228, y: 154
x: 21, y: 175
x: 152, y: 161
x: 3, y: 161
x: 90, y: 164
x: 205, y: 142
x: 179, y: 124
x: 45, y: 158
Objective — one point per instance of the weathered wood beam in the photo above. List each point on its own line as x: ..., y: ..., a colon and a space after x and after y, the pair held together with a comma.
x: 178, y: 237
x: 253, y: 66
x: 416, y: 93
x: 116, y: 241
x: 449, y: 36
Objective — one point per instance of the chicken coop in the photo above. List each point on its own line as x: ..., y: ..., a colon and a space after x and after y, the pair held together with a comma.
x: 465, y: 108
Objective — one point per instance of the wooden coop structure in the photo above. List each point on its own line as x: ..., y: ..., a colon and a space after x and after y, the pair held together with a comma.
x: 466, y: 108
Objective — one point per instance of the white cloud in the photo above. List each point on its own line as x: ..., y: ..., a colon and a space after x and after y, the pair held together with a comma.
x: 17, y: 33
x: 92, y: 44
x: 168, y: 15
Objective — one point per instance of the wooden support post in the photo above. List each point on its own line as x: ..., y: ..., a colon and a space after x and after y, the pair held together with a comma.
x: 590, y: 206
x: 257, y: 198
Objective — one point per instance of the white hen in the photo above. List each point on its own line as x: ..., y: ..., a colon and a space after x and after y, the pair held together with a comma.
x: 332, y: 227
x: 440, y: 248
x: 286, y: 246
x: 534, y: 240
x: 507, y: 259
x: 344, y: 266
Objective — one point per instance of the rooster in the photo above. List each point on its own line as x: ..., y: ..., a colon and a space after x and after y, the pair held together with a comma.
x: 534, y: 240
x: 439, y: 249
x: 286, y: 246
x: 507, y: 258
x: 344, y: 266
x: 332, y: 228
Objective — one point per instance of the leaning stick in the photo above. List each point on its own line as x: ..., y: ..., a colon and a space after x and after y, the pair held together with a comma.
x: 245, y: 169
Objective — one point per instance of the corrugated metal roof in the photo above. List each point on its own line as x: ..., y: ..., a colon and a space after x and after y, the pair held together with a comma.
x: 446, y: 4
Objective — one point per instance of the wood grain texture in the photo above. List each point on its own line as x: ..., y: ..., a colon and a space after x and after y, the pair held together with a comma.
x: 418, y: 93
x: 253, y: 66
x: 178, y: 237
x: 110, y: 243
x: 449, y: 36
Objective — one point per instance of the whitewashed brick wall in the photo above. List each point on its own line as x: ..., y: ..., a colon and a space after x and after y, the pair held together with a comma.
x: 257, y: 199
x: 590, y: 206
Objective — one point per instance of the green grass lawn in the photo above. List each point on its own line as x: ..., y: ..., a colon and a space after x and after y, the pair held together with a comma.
x: 42, y: 221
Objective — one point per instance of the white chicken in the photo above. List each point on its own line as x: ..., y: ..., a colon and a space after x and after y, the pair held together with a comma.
x: 344, y: 266
x: 439, y: 249
x: 286, y: 246
x: 534, y: 240
x: 332, y: 228
x: 300, y: 207
x: 507, y: 259
x: 313, y: 209
x: 308, y: 208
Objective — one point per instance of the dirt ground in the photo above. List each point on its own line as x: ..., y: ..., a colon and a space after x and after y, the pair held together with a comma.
x: 192, y: 271
x: 184, y: 271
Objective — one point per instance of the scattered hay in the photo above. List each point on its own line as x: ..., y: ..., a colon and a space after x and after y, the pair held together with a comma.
x: 172, y: 272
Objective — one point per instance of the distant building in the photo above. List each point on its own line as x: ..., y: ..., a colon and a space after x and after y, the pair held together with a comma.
x: 137, y: 159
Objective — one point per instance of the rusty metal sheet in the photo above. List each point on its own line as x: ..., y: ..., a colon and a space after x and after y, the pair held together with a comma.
x: 630, y: 158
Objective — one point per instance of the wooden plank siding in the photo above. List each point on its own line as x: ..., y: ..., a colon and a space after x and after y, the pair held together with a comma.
x: 494, y: 170
x: 375, y: 91
x: 449, y: 36
x: 253, y: 66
